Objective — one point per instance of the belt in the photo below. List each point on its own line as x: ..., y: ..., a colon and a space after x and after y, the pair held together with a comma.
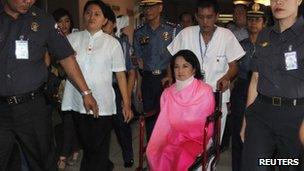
x: 281, y: 101
x: 22, y: 98
x: 154, y: 72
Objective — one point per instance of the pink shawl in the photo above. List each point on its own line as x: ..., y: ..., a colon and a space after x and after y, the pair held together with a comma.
x: 177, y: 137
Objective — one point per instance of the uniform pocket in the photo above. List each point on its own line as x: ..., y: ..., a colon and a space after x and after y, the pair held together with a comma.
x: 37, y: 47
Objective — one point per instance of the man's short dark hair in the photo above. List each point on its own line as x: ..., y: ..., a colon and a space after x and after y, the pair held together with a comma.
x: 186, y: 13
x: 208, y: 3
x: 109, y: 14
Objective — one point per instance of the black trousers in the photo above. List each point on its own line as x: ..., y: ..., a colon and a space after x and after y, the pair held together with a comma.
x: 238, y: 105
x: 94, y: 136
x: 70, y: 141
x: 272, y: 132
x: 122, y: 129
x: 152, y: 89
x: 30, y: 126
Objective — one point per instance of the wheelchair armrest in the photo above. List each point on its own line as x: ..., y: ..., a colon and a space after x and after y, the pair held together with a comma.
x: 215, y: 116
x: 198, y: 161
x: 149, y: 114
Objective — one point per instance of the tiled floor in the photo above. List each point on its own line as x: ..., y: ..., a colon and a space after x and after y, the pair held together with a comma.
x: 116, y: 156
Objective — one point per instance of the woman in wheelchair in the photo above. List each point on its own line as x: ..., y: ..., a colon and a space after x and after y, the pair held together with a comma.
x: 177, y: 137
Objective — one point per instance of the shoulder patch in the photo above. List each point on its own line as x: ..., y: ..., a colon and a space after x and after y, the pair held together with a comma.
x: 171, y: 24
x: 140, y: 27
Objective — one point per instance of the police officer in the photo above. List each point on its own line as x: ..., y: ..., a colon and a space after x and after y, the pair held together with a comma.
x: 122, y: 129
x: 238, y: 26
x: 150, y: 42
x: 255, y: 22
x: 26, y: 33
x: 275, y: 102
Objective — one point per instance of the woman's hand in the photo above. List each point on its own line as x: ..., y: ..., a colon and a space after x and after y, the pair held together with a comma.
x: 242, y: 133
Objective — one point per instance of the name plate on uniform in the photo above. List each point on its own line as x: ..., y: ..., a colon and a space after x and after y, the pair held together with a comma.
x: 21, y: 50
x: 291, y: 62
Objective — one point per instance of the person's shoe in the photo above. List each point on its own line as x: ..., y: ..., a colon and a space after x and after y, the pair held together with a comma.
x: 129, y: 163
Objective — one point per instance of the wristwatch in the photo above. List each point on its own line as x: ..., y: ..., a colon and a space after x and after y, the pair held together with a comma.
x: 86, y: 92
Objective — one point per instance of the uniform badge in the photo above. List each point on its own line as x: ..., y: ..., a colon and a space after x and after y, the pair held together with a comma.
x: 256, y: 7
x: 144, y: 40
x: 59, y: 30
x: 264, y: 44
x: 34, y: 14
x: 34, y: 26
x: 166, y: 36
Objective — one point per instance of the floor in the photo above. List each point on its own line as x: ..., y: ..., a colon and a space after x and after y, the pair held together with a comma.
x: 116, y: 156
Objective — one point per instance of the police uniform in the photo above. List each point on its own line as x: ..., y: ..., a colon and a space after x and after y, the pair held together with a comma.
x: 240, y: 33
x: 122, y: 129
x: 24, y: 117
x: 239, y: 92
x: 150, y: 45
x: 274, y: 118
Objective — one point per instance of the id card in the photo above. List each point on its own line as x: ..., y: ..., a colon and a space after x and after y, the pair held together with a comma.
x: 21, y: 50
x: 291, y: 62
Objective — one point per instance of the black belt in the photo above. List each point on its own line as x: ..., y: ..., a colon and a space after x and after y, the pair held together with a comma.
x: 154, y: 72
x: 22, y: 98
x: 281, y: 101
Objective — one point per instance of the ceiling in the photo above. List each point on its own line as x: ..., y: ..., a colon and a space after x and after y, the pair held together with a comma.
x: 173, y: 8
x: 225, y: 5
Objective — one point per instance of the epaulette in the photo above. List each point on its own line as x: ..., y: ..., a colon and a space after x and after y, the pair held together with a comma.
x: 139, y: 27
x: 172, y: 24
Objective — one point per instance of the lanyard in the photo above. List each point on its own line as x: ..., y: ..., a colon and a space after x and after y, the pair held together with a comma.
x: 203, y: 54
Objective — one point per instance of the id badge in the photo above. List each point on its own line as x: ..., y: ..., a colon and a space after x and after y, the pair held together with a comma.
x: 291, y: 62
x: 21, y: 50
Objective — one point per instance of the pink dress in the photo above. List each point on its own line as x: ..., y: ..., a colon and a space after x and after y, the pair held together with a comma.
x: 177, y: 137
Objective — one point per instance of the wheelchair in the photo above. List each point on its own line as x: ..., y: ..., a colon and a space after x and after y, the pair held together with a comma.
x: 210, y: 154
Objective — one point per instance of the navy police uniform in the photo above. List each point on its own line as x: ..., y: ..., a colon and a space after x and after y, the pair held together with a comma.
x: 24, y: 116
x: 241, y: 85
x: 238, y: 101
x: 274, y: 118
x: 122, y: 129
x: 151, y: 46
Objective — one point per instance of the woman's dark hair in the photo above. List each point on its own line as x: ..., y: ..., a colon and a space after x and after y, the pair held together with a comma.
x: 59, y: 13
x: 191, y: 58
x: 208, y: 3
x: 110, y: 15
x: 99, y: 3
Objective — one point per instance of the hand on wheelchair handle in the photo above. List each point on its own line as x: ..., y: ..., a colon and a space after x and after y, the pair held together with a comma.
x: 223, y: 84
x: 166, y: 81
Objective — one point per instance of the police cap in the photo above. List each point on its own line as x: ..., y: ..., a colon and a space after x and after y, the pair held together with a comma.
x: 256, y: 10
x: 150, y: 2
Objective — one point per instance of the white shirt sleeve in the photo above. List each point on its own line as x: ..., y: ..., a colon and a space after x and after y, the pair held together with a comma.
x: 118, y: 61
x: 177, y: 44
x: 234, y: 50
